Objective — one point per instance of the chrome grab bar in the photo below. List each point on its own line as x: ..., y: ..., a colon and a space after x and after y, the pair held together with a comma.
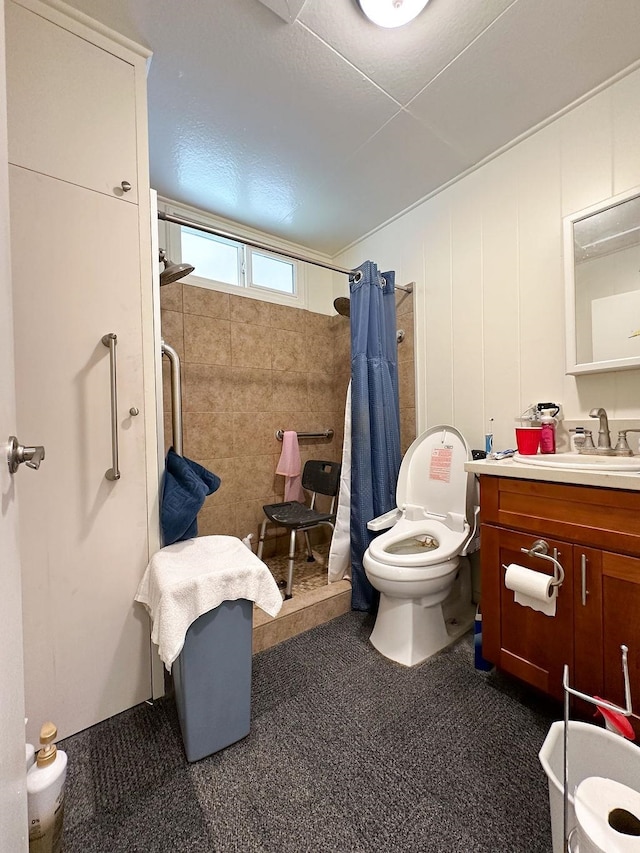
x: 110, y: 341
x: 327, y: 433
x: 176, y: 396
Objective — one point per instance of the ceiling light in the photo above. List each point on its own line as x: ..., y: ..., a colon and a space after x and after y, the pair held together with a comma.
x: 392, y: 13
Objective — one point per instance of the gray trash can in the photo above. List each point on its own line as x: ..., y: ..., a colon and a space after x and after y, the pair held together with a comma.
x: 212, y: 679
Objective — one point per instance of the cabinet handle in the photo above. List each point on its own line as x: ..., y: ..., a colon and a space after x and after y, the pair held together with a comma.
x: 126, y: 186
x: 583, y: 573
x: 110, y: 341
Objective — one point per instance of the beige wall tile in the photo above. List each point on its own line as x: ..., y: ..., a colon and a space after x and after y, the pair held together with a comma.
x: 288, y: 350
x: 207, y: 303
x: 406, y: 347
x: 406, y: 383
x: 171, y: 296
x: 171, y: 323
x: 250, y: 346
x: 342, y: 354
x: 207, y: 436
x: 318, y: 350
x: 320, y: 388
x: 318, y: 324
x: 217, y: 520
x: 207, y: 340
x: 290, y: 391
x: 254, y: 433
x: 243, y: 309
x: 252, y: 390
x: 256, y: 477
x: 407, y: 428
x: 207, y: 388
x: 285, y: 317
x: 404, y: 302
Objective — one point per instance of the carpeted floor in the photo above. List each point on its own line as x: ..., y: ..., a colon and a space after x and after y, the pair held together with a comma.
x: 348, y: 753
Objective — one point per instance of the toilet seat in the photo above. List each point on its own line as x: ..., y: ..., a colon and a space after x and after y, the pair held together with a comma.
x: 450, y: 543
x: 431, y: 500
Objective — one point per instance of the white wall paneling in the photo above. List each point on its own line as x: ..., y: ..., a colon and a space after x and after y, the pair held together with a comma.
x: 490, y: 309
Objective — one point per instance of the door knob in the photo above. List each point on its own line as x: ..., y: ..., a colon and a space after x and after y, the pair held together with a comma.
x: 18, y: 453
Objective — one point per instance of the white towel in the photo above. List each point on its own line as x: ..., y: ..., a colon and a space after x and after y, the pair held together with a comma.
x: 186, y: 580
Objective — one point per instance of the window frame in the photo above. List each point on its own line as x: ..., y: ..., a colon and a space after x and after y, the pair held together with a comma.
x: 173, y: 239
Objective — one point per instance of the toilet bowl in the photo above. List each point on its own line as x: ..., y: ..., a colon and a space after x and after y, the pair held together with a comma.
x: 414, y: 563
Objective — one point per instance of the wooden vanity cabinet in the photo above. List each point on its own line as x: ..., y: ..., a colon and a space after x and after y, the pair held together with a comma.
x: 595, y: 533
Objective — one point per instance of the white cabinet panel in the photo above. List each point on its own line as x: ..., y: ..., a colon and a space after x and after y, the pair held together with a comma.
x: 76, y: 274
x: 71, y: 106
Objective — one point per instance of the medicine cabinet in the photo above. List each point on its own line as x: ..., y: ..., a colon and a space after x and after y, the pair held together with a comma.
x: 602, y: 285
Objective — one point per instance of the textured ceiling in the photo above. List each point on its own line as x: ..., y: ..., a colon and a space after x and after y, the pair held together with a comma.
x: 304, y: 120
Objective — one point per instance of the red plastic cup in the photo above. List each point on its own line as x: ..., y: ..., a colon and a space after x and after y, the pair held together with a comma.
x: 528, y: 440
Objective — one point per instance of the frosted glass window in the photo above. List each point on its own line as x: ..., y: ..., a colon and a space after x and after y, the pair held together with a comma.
x: 213, y: 257
x: 272, y: 273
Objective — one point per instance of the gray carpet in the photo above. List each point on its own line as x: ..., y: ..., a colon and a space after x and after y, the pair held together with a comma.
x: 348, y: 753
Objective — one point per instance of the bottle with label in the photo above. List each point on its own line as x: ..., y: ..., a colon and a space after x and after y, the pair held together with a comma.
x: 548, y: 431
x: 45, y: 794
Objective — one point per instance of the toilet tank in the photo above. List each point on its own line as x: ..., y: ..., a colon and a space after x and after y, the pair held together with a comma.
x: 432, y: 472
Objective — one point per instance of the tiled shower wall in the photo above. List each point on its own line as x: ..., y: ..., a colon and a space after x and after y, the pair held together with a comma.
x: 250, y: 368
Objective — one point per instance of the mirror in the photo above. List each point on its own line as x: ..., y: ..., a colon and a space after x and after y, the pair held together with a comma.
x: 602, y: 280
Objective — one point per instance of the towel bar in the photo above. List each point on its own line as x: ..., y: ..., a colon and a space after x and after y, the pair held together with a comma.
x: 328, y: 434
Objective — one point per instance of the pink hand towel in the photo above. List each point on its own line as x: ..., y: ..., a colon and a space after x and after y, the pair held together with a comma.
x: 290, y: 466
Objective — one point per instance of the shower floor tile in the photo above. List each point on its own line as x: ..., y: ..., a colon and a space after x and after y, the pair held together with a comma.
x: 306, y: 576
x: 314, y: 601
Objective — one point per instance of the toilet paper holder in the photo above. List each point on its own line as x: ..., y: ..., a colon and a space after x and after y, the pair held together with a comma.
x: 540, y: 549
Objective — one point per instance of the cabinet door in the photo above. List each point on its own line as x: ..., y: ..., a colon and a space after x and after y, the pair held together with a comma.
x: 522, y: 641
x: 73, y: 119
x: 621, y: 626
x: 83, y: 539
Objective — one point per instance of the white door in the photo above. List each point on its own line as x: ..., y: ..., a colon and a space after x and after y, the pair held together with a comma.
x: 13, y: 801
x: 83, y: 543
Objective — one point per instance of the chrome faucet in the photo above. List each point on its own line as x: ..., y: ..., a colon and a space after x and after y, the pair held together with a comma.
x: 604, y: 436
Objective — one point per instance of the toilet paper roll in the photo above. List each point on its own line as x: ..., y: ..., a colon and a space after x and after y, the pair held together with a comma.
x: 532, y: 589
x: 607, y: 816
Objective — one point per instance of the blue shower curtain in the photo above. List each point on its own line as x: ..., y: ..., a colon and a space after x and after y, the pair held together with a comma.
x: 375, y: 415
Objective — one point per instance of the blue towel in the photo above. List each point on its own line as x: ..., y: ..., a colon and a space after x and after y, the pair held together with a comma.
x: 186, y: 485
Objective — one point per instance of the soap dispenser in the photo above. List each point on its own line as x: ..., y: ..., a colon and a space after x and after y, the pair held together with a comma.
x: 548, y: 428
x: 45, y: 794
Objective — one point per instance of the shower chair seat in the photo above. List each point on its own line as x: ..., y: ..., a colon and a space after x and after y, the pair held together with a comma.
x: 320, y: 478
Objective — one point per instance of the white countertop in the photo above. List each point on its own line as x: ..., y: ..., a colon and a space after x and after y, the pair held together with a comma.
x: 511, y: 468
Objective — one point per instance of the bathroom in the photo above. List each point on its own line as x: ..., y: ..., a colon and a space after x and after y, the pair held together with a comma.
x: 486, y: 253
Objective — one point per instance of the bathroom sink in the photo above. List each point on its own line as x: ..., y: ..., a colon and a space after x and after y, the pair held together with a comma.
x: 581, y: 462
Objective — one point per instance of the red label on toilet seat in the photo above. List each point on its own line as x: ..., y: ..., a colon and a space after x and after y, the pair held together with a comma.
x: 440, y: 465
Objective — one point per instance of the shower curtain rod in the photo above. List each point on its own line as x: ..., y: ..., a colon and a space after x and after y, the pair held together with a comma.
x: 227, y: 235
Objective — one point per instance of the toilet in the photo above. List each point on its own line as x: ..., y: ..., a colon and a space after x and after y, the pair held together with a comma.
x: 414, y: 563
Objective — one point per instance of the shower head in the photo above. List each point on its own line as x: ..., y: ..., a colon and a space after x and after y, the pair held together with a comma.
x: 343, y: 306
x: 172, y: 272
